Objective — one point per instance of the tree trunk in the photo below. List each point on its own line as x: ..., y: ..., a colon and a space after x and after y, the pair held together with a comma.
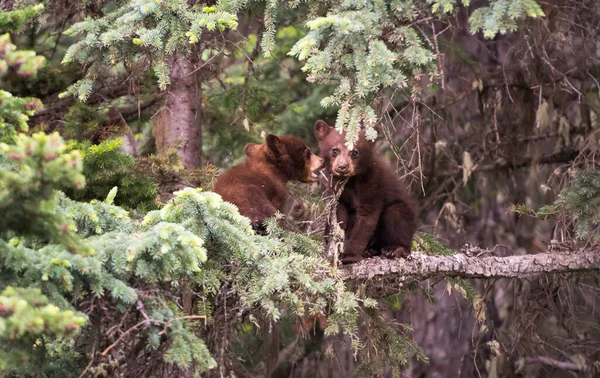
x: 179, y: 123
x: 444, y: 329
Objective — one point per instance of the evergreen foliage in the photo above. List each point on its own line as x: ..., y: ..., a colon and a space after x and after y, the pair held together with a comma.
x: 70, y: 253
x: 105, y: 166
x: 350, y: 46
x: 15, y: 111
x: 289, y: 111
x: 368, y: 46
x: 576, y: 205
x: 73, y: 250
x: 429, y: 244
x: 26, y: 316
x: 364, y: 47
x: 135, y: 31
x: 16, y: 20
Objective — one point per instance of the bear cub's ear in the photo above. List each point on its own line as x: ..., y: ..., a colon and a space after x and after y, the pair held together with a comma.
x: 275, y: 145
x: 322, y: 129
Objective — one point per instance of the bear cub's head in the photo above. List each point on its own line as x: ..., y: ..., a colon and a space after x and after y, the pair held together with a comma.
x: 340, y: 160
x: 288, y: 156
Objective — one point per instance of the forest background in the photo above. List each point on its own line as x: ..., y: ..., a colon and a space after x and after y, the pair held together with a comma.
x: 489, y: 111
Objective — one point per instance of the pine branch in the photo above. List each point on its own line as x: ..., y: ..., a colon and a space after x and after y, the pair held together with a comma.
x: 421, y: 267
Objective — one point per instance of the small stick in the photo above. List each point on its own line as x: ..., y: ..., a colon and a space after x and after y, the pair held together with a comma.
x: 334, y: 240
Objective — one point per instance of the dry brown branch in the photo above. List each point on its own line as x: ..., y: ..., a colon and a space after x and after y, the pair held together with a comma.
x: 564, y: 365
x: 419, y: 267
x: 146, y: 322
x: 565, y: 156
x: 334, y: 233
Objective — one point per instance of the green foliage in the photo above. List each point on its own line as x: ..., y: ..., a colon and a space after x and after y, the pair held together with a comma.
x: 82, y: 122
x: 15, y: 111
x: 25, y: 316
x: 364, y: 47
x: 135, y: 31
x: 14, y: 114
x: 105, y: 166
x: 15, y: 20
x: 289, y: 111
x: 577, y: 203
x: 72, y: 251
x: 387, y: 347
x: 429, y: 244
x: 502, y: 16
x: 24, y: 63
x: 43, y: 166
x: 368, y: 46
x: 350, y: 47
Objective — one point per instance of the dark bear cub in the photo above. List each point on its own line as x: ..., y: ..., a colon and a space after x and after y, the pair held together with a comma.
x: 374, y: 210
x: 258, y: 185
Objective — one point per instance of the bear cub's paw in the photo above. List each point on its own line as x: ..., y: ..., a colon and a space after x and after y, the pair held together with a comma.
x: 395, y: 252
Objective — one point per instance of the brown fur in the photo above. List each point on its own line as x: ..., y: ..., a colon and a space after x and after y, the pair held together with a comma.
x: 258, y: 185
x: 374, y: 210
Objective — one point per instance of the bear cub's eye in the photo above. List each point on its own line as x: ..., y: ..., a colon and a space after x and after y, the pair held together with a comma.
x: 308, y: 153
x: 354, y: 153
x: 335, y: 152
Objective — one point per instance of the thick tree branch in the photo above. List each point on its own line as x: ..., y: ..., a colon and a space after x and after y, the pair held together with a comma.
x: 419, y: 267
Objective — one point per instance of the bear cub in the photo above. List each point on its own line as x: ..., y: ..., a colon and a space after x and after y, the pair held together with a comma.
x: 258, y: 185
x: 374, y: 210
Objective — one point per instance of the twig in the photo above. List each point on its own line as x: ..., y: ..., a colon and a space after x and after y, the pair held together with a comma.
x: 496, y: 126
x: 565, y: 156
x: 335, y: 236
x: 146, y: 321
x: 89, y: 365
x: 564, y: 365
x: 251, y: 58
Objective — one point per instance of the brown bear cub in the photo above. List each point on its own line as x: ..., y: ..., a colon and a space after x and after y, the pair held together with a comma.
x: 374, y: 210
x: 258, y: 185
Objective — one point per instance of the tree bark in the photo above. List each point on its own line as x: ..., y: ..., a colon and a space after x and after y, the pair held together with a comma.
x: 178, y: 124
x: 419, y: 267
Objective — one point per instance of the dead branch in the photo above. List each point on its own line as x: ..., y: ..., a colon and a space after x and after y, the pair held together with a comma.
x: 419, y: 267
x: 564, y: 156
x: 564, y: 365
x: 334, y: 235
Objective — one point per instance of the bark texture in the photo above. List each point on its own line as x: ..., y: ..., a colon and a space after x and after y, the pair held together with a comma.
x: 179, y: 123
x: 419, y: 267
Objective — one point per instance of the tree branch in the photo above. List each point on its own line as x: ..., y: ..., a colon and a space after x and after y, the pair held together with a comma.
x: 564, y: 365
x: 564, y: 156
x: 419, y: 267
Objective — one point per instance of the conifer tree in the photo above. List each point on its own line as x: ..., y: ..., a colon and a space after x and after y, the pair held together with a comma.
x: 161, y: 36
x: 364, y: 47
x: 15, y: 111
